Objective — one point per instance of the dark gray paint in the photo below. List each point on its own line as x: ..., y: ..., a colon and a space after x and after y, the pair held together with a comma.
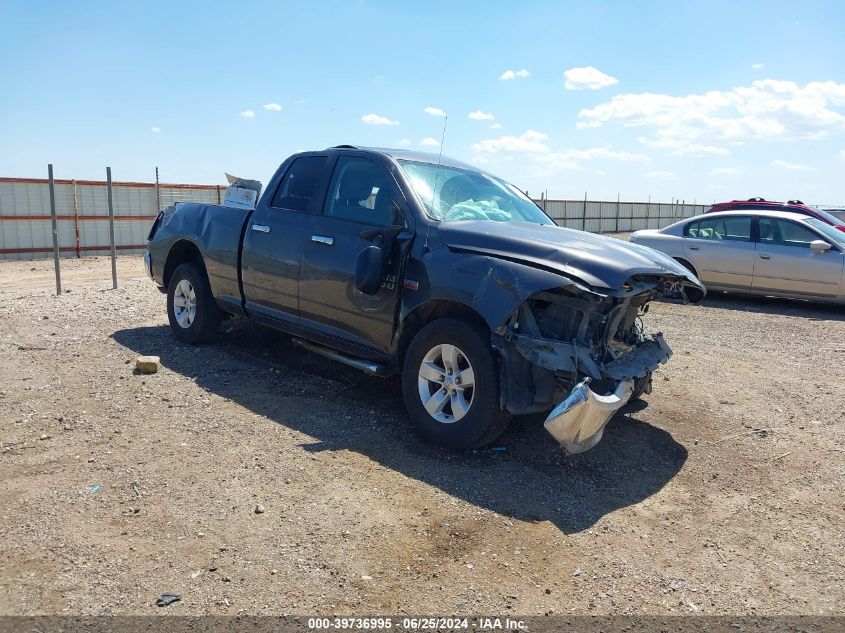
x: 287, y: 281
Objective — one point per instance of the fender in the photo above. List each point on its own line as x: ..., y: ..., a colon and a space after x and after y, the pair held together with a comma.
x: 492, y: 287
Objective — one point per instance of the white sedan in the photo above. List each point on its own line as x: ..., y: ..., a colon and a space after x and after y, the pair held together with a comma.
x: 773, y: 253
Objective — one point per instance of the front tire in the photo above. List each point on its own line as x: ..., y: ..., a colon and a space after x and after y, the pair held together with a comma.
x: 193, y: 314
x: 450, y: 383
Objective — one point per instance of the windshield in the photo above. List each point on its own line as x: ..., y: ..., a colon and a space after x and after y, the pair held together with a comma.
x: 832, y: 216
x: 450, y: 194
x: 839, y: 214
x: 834, y: 234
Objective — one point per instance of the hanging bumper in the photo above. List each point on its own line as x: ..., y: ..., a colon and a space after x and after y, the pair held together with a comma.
x: 578, y: 422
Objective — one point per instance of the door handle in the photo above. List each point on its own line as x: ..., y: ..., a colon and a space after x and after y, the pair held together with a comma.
x: 260, y: 228
x: 765, y: 256
x: 322, y: 239
x: 693, y: 248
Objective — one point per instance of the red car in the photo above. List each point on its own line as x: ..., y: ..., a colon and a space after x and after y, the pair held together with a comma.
x: 828, y: 216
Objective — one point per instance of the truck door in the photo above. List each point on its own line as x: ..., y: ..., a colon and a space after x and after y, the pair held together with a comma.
x: 362, y: 199
x: 272, y: 246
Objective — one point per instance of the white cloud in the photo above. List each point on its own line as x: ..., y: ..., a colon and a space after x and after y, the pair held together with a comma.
x: 842, y: 153
x: 430, y: 142
x: 533, y: 146
x: 434, y: 111
x: 697, y: 151
x: 603, y: 152
x: 155, y: 129
x: 403, y: 141
x: 479, y: 115
x: 757, y: 66
x: 248, y: 114
x: 587, y: 78
x: 662, y: 175
x: 514, y: 74
x: 767, y: 109
x: 530, y: 141
x: 496, y: 126
x: 377, y: 119
x: 726, y: 171
x: 782, y: 164
x: 684, y: 148
x: 272, y: 107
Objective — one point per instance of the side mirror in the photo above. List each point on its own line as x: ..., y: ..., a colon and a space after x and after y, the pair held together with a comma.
x: 369, y: 270
x: 820, y: 246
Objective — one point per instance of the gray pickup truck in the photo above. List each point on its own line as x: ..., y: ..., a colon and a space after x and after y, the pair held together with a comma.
x: 401, y: 262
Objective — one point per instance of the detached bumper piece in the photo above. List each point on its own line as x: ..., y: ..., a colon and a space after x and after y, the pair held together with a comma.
x: 578, y: 422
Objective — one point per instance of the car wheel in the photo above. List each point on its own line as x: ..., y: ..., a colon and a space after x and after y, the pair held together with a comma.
x: 450, y: 383
x: 194, y: 316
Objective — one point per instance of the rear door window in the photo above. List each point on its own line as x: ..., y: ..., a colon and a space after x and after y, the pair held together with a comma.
x: 299, y: 184
x: 734, y: 228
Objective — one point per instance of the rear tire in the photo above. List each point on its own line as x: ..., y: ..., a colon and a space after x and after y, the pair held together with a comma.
x: 193, y: 314
x: 451, y: 365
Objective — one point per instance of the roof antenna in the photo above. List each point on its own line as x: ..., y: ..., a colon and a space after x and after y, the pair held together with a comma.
x: 436, y: 177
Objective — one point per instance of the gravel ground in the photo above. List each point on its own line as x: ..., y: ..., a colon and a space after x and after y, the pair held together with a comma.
x: 722, y: 496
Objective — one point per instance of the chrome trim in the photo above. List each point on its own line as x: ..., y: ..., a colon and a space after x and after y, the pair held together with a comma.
x: 364, y: 365
x: 578, y: 422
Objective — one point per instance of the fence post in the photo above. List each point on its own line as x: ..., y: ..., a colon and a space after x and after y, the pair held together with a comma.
x: 55, y: 221
x: 617, y: 214
x: 584, y: 218
x: 111, y: 231
x: 76, y: 217
x: 158, y: 195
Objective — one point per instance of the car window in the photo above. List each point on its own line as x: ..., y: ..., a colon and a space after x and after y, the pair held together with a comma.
x: 361, y: 191
x: 733, y: 228
x: 691, y: 229
x: 832, y: 234
x: 785, y: 233
x: 299, y: 184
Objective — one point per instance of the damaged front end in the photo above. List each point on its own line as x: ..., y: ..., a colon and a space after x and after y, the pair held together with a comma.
x: 584, y: 351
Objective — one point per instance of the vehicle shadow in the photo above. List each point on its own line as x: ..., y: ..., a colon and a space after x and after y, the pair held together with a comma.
x: 525, y: 475
x: 813, y: 311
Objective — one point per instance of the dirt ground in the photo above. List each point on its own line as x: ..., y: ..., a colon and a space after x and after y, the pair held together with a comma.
x: 723, y: 496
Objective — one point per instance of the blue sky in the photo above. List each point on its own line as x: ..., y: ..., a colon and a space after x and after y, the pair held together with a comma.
x: 698, y: 101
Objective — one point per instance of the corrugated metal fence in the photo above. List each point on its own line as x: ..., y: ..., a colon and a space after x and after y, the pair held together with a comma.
x: 81, y: 205
x: 82, y: 209
x: 599, y: 216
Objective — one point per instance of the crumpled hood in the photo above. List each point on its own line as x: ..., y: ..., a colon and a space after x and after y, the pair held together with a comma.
x: 601, y: 262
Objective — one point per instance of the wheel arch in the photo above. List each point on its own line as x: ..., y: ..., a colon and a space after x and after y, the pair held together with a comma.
x: 182, y: 252
x: 686, y: 264
x: 430, y: 311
